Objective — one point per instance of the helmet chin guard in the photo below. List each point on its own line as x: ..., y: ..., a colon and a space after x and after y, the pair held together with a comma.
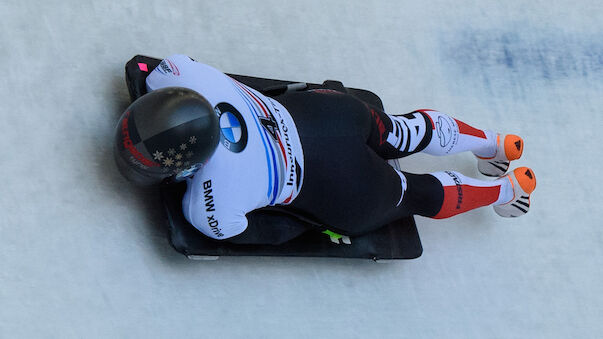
x: 167, y: 133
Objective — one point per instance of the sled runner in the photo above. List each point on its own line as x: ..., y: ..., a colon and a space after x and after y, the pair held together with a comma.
x: 397, y: 240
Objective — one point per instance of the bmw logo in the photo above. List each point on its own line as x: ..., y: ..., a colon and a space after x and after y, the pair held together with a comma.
x: 233, y: 131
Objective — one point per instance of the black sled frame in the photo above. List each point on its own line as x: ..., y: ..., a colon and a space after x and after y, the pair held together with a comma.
x: 397, y: 240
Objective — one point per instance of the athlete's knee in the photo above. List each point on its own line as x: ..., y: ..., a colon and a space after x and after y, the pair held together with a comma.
x: 411, y: 132
x: 424, y: 194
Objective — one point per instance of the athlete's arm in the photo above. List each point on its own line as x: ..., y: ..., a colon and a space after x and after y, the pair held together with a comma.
x: 206, y: 206
x: 261, y: 228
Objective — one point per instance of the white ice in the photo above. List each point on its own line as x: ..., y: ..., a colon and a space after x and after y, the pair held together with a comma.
x: 83, y: 254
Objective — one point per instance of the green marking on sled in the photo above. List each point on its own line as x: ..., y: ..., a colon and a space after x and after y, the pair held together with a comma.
x: 336, y: 237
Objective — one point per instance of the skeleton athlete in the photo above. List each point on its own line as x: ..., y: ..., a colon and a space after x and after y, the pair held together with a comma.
x: 317, y: 153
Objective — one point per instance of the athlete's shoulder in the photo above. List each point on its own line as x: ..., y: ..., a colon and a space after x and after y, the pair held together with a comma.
x: 181, y: 70
x: 173, y: 66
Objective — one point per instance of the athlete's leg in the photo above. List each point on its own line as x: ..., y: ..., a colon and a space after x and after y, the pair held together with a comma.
x: 366, y: 193
x: 444, y: 194
x: 349, y: 187
x: 462, y: 193
x: 436, y: 133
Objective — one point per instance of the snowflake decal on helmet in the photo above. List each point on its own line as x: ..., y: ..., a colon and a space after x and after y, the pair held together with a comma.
x: 158, y: 155
x: 173, y: 158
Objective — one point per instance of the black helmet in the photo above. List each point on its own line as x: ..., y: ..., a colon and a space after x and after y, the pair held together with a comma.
x: 169, y: 132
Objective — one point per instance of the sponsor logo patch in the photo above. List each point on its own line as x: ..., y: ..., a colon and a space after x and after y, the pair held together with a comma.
x: 233, y: 130
x: 168, y: 67
x: 444, y: 130
x: 212, y: 221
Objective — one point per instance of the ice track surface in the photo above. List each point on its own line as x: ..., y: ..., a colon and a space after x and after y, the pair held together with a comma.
x: 83, y: 254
